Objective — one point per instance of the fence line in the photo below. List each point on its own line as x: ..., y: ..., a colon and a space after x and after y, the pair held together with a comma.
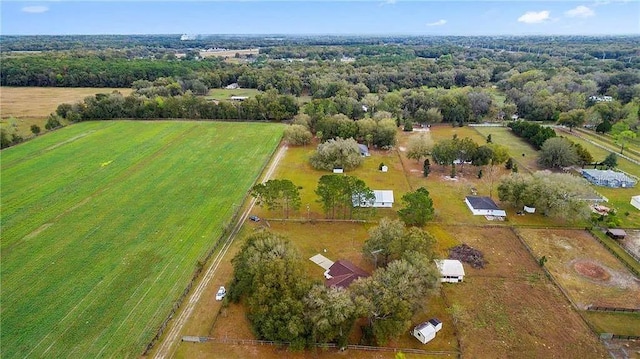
x: 201, y: 263
x: 235, y: 341
x: 625, y: 337
x: 624, y: 262
x: 595, y: 308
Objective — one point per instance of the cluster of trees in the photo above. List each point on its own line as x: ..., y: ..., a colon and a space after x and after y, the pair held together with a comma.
x: 286, y: 305
x: 263, y: 107
x: 455, y: 150
x: 340, y: 195
x: 559, y: 152
x: 531, y: 132
x: 559, y: 195
x: 277, y: 194
x: 337, y: 153
x: 379, y: 131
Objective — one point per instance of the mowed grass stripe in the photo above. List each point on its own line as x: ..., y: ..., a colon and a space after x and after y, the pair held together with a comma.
x: 105, y: 273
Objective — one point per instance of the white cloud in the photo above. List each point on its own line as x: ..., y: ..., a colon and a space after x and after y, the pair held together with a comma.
x: 437, y: 23
x: 534, y: 17
x: 35, y: 9
x: 580, y: 11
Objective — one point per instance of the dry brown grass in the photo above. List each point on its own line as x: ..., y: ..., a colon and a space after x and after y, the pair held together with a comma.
x: 230, y: 53
x: 564, y: 248
x: 24, y: 102
x: 510, y: 309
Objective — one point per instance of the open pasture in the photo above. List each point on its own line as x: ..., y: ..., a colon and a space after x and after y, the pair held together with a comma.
x: 500, y: 309
x: 104, y: 223
x: 584, y: 268
x: 522, y: 153
x: 225, y: 94
x: 25, y: 102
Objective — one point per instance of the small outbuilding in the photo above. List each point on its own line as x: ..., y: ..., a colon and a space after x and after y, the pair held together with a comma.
x: 425, y: 332
x: 635, y: 201
x: 364, y: 150
x: 451, y: 270
x: 616, y: 233
x: 338, y: 170
x: 384, y: 168
x: 484, y: 206
x: 384, y: 199
x: 608, y: 178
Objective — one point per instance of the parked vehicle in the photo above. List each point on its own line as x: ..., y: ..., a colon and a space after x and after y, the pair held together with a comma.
x: 254, y: 218
x: 221, y: 293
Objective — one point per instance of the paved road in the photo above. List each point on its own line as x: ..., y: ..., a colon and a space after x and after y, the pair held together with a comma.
x: 168, y: 345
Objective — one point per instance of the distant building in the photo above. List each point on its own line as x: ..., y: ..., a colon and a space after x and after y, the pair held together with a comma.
x: 601, y: 98
x: 608, y: 178
x: 364, y: 150
x: 239, y: 98
x: 232, y: 86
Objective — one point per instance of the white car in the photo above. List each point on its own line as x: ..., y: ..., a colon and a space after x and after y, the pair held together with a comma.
x: 221, y: 293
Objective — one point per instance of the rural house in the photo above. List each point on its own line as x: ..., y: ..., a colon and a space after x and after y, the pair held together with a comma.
x: 608, y: 178
x: 484, y: 206
x: 451, y: 270
x: 426, y: 331
x: 342, y: 273
x: 383, y: 199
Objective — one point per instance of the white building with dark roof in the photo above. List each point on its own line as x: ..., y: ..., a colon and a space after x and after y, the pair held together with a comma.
x: 484, y: 206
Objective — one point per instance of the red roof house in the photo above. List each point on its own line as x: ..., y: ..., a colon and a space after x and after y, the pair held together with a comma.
x: 342, y: 273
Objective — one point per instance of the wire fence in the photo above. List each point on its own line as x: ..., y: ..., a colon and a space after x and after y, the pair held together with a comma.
x: 237, y: 341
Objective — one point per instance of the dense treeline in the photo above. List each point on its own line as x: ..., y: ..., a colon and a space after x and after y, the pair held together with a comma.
x: 533, y: 133
x: 264, y: 107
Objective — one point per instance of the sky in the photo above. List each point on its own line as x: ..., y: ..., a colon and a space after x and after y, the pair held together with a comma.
x: 365, y: 17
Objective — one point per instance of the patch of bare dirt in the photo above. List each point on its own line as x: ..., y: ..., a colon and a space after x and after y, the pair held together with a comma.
x: 591, y: 270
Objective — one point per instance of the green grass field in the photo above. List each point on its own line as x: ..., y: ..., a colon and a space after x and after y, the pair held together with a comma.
x: 103, y: 224
x: 224, y: 94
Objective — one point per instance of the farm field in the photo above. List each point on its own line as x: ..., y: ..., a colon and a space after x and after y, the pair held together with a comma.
x: 588, y: 272
x: 229, y: 53
x: 499, y: 309
x: 34, y: 102
x: 104, y: 224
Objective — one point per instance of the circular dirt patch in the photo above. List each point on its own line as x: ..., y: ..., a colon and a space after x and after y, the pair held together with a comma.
x: 591, y: 270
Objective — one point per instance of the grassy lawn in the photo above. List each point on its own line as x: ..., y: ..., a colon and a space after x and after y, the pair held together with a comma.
x: 615, y: 323
x: 41, y: 101
x: 104, y: 222
x: 587, y: 271
x: 296, y: 167
x: 522, y: 153
x: 499, y: 309
x: 224, y: 94
x: 22, y: 126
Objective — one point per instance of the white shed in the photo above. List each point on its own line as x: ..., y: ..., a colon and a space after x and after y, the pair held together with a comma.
x: 451, y: 270
x: 635, y: 201
x: 425, y: 332
x: 338, y: 170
